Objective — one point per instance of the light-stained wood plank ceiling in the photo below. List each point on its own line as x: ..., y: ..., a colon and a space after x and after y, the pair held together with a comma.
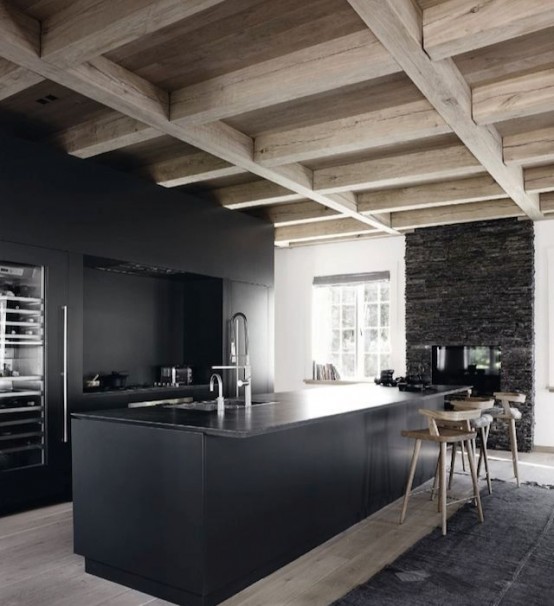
x: 332, y: 119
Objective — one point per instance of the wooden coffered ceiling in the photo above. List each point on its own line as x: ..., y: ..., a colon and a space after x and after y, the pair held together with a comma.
x: 332, y: 119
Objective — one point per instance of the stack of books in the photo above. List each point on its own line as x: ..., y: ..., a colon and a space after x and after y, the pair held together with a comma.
x: 325, y: 372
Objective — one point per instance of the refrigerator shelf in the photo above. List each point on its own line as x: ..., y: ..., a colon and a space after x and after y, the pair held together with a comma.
x: 29, y: 300
x: 21, y: 409
x: 22, y: 378
x: 22, y: 448
x: 23, y: 342
x: 26, y: 421
x: 20, y: 436
x: 20, y: 394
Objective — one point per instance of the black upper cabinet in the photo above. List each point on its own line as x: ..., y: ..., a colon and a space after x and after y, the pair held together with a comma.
x: 67, y: 203
x: 34, y: 404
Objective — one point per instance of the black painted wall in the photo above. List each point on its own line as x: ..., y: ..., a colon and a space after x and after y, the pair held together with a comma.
x: 133, y: 324
x: 473, y: 284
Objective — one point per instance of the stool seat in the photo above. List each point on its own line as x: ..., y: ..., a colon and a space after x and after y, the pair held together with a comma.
x: 483, y: 421
x: 505, y: 414
x: 444, y: 427
x: 481, y: 425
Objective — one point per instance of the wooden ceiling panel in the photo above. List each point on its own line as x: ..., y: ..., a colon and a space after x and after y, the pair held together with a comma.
x: 385, y: 151
x: 41, y: 9
x: 149, y: 152
x: 335, y: 104
x: 51, y: 107
x: 525, y: 124
x: 531, y: 52
x: 232, y: 36
x: 209, y: 187
x: 457, y: 26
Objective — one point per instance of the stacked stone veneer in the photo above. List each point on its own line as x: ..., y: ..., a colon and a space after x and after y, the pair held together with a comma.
x: 473, y: 284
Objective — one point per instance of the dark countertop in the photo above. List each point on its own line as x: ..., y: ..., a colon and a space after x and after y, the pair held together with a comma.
x: 289, y: 409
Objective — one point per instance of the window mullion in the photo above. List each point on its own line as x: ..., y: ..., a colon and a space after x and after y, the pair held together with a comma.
x: 359, y: 328
x: 379, y: 344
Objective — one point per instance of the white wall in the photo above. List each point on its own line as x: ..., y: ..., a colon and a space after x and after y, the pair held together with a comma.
x: 544, y: 345
x: 295, y: 269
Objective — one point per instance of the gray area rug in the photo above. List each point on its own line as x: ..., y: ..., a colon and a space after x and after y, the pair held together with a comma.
x: 508, y: 560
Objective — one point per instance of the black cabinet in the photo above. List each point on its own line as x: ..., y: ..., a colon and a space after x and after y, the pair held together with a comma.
x: 209, y: 308
x: 255, y: 302
x: 34, y: 404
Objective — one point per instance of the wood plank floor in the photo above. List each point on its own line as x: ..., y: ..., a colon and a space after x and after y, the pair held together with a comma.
x: 38, y: 567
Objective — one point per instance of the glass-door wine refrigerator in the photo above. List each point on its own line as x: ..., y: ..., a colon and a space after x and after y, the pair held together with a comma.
x: 33, y: 376
x: 22, y: 405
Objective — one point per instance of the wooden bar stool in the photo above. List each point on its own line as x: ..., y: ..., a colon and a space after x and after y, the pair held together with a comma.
x: 481, y: 425
x: 437, y: 432
x: 510, y: 414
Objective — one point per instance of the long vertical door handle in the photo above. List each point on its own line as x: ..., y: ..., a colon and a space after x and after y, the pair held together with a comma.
x: 65, y: 438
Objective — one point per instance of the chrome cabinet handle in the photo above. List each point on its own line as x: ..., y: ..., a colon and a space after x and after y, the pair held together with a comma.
x: 65, y: 438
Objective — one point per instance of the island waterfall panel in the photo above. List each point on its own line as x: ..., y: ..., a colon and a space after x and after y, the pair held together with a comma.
x: 473, y: 284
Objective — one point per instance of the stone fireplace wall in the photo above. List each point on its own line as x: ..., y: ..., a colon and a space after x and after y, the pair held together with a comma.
x: 473, y: 284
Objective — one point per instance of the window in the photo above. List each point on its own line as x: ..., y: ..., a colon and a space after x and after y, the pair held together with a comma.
x: 351, y: 323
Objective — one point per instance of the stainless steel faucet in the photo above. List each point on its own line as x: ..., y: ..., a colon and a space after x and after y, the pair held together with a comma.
x: 240, y: 362
x: 220, y: 401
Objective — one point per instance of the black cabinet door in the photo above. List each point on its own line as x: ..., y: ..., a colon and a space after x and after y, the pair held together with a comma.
x: 255, y: 302
x: 48, y: 480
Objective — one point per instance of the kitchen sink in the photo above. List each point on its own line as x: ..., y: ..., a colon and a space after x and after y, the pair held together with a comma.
x: 211, y: 405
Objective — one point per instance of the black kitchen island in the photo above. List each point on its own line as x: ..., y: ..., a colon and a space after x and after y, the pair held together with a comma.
x: 192, y: 507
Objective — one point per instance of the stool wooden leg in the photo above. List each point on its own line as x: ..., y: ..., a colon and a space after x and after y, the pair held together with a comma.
x: 411, y: 475
x: 436, y: 479
x: 452, y: 464
x: 484, y: 438
x: 442, y: 485
x: 483, y: 456
x: 463, y: 456
x: 513, y: 443
x: 471, y: 459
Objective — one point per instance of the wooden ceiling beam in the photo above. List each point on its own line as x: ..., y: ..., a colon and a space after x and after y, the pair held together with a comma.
x: 458, y: 26
x: 295, y: 213
x: 530, y: 148
x: 320, y: 230
x: 397, y: 124
x: 255, y: 193
x: 14, y: 79
x: 327, y: 66
x: 515, y: 97
x: 335, y: 240
x: 116, y: 87
x: 398, y: 25
x: 431, y: 195
x: 86, y: 29
x: 539, y: 178
x: 547, y: 202
x: 402, y: 169
x: 187, y: 169
x: 461, y: 213
x: 104, y: 134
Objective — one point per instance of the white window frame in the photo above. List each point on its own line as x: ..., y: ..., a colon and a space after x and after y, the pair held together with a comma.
x: 358, y: 281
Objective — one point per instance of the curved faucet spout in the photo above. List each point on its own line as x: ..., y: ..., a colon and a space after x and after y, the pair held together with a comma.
x: 234, y: 337
x: 220, y: 402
